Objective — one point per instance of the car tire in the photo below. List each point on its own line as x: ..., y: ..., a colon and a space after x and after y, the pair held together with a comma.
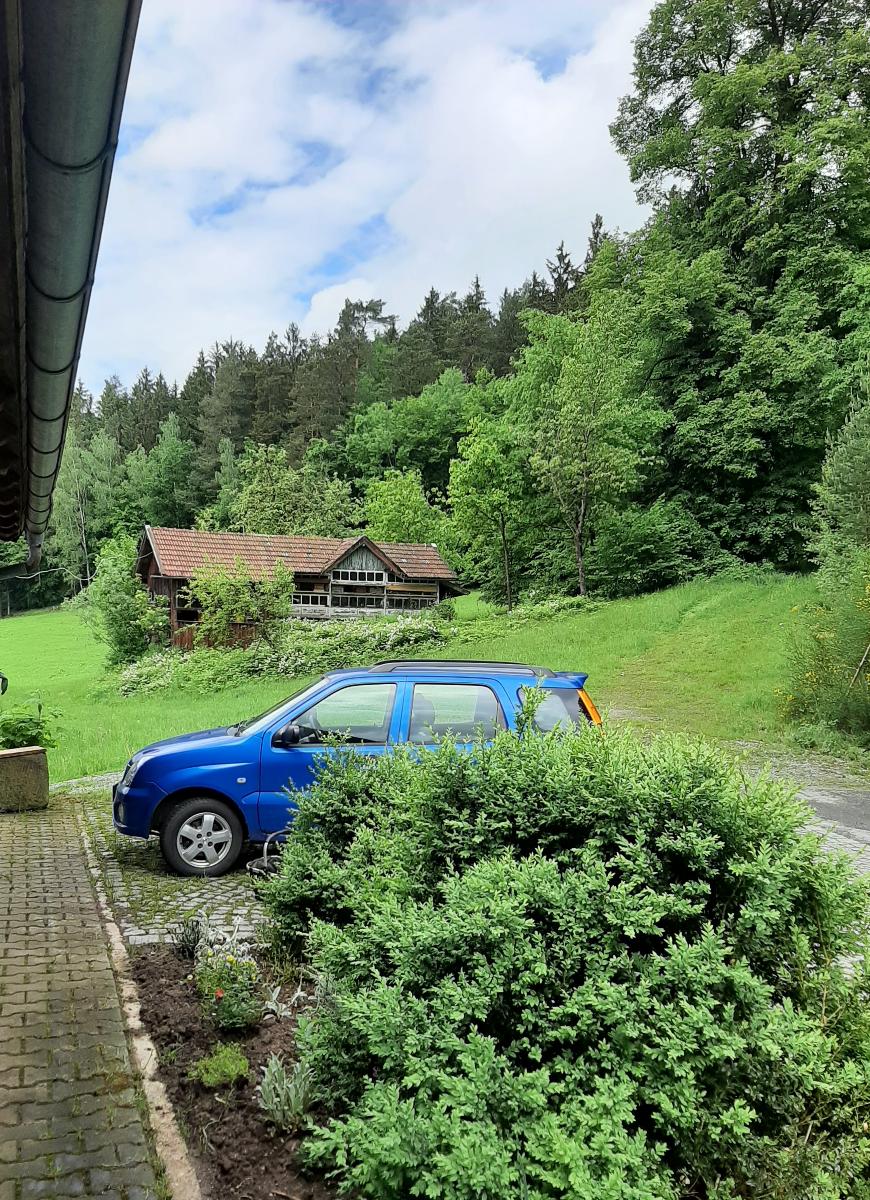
x: 201, y: 836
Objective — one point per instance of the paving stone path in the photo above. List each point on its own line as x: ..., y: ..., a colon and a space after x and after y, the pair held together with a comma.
x: 70, y: 1124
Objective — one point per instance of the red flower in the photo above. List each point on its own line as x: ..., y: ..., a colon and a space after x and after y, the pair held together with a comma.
x: 219, y: 994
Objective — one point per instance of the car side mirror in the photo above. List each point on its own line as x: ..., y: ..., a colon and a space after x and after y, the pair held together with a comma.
x: 4, y: 684
x: 290, y: 735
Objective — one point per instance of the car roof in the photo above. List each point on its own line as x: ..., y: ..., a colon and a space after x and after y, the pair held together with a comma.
x: 440, y: 667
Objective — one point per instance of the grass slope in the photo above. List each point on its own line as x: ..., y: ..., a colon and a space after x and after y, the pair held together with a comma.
x: 705, y: 657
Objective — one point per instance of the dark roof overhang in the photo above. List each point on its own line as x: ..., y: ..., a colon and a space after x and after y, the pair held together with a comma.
x: 63, y: 74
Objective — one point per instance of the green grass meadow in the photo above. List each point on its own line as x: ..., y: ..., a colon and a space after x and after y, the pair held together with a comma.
x: 706, y: 657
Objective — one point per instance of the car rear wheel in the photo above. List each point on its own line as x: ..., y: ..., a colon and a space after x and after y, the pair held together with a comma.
x: 201, y: 836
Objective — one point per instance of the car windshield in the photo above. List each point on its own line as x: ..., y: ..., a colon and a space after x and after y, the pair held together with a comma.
x: 263, y: 717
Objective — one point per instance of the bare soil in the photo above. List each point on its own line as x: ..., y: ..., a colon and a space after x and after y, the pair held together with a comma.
x: 235, y: 1152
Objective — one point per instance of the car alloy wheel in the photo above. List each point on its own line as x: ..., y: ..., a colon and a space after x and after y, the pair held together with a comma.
x: 204, y: 840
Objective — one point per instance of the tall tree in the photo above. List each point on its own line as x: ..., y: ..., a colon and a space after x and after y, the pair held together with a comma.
x: 226, y: 411
x: 469, y: 342
x: 748, y: 131
x: 489, y: 504
x: 591, y: 430
x: 274, y: 497
x: 114, y: 412
x: 197, y: 385
x: 397, y: 509
x: 277, y: 368
x: 564, y: 281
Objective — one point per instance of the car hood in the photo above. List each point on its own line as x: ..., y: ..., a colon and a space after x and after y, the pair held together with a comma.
x: 188, y: 741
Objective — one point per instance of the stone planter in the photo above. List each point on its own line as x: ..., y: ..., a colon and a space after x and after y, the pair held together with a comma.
x: 23, y: 779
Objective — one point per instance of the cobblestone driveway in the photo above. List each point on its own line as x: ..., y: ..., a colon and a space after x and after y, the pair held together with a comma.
x: 70, y: 1123
x: 148, y: 901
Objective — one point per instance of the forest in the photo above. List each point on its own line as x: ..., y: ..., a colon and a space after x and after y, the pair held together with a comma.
x: 650, y: 407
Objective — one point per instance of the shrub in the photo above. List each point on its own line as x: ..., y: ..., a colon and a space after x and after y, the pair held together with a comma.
x: 26, y: 725
x: 228, y: 596
x: 200, y: 671
x: 285, y: 1096
x: 297, y: 647
x: 225, y: 1066
x: 228, y: 980
x: 126, y: 619
x: 830, y: 656
x: 578, y: 966
x: 638, y: 550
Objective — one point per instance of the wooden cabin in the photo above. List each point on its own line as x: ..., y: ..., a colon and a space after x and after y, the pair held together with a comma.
x: 333, y: 577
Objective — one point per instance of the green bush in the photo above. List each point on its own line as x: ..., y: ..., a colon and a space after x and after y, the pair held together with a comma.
x: 117, y: 602
x: 830, y: 657
x: 26, y: 725
x: 296, y: 647
x: 229, y: 596
x: 202, y: 671
x: 638, y: 550
x: 578, y: 966
x: 225, y: 1066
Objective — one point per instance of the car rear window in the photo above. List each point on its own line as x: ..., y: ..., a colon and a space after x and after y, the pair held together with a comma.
x: 560, y: 706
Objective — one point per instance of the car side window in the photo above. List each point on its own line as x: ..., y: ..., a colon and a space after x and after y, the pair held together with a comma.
x: 359, y: 713
x: 461, y: 710
x: 558, y: 709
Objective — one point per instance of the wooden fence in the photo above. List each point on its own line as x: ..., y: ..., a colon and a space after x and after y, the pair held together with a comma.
x: 242, y: 634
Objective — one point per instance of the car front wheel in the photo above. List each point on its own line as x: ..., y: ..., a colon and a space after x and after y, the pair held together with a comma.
x: 201, y: 836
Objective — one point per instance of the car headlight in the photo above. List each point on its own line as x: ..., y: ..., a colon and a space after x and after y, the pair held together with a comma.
x: 129, y: 773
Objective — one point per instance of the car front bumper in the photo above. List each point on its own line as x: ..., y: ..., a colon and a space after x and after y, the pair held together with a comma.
x: 133, y: 807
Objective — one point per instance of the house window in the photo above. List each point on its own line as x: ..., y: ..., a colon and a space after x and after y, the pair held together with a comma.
x: 342, y: 575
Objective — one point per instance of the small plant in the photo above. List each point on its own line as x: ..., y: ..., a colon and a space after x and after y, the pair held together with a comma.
x: 228, y: 980
x: 225, y: 1066
x: 26, y: 725
x: 285, y: 1096
x: 274, y: 1007
x: 189, y: 934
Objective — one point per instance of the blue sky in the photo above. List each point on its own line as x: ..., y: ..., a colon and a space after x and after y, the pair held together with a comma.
x: 278, y: 156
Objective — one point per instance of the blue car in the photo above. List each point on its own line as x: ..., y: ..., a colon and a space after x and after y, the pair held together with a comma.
x: 206, y: 794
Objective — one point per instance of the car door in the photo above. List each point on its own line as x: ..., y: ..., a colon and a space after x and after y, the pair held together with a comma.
x: 364, y: 715
x: 464, y: 711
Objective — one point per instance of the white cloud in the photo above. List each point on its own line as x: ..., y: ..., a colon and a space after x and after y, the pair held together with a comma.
x: 262, y: 138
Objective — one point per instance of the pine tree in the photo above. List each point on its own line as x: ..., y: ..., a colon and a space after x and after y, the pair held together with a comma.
x: 196, y: 387
x: 114, y: 412
x: 469, y: 341
x: 227, y: 410
x: 564, y: 281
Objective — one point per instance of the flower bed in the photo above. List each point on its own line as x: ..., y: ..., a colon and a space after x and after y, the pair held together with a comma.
x: 214, y: 1036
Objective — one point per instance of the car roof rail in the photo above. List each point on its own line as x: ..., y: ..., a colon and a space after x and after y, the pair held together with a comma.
x: 389, y: 665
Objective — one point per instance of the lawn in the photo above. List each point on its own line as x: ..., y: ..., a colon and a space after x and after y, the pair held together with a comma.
x: 53, y: 655
x: 705, y: 657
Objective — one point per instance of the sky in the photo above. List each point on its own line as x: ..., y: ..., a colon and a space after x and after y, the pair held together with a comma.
x: 277, y: 157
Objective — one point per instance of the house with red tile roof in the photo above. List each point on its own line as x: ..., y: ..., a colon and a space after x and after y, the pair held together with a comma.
x: 333, y: 577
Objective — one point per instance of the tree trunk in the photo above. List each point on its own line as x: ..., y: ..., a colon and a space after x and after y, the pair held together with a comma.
x: 579, y: 553
x: 580, y: 546
x: 506, y: 563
